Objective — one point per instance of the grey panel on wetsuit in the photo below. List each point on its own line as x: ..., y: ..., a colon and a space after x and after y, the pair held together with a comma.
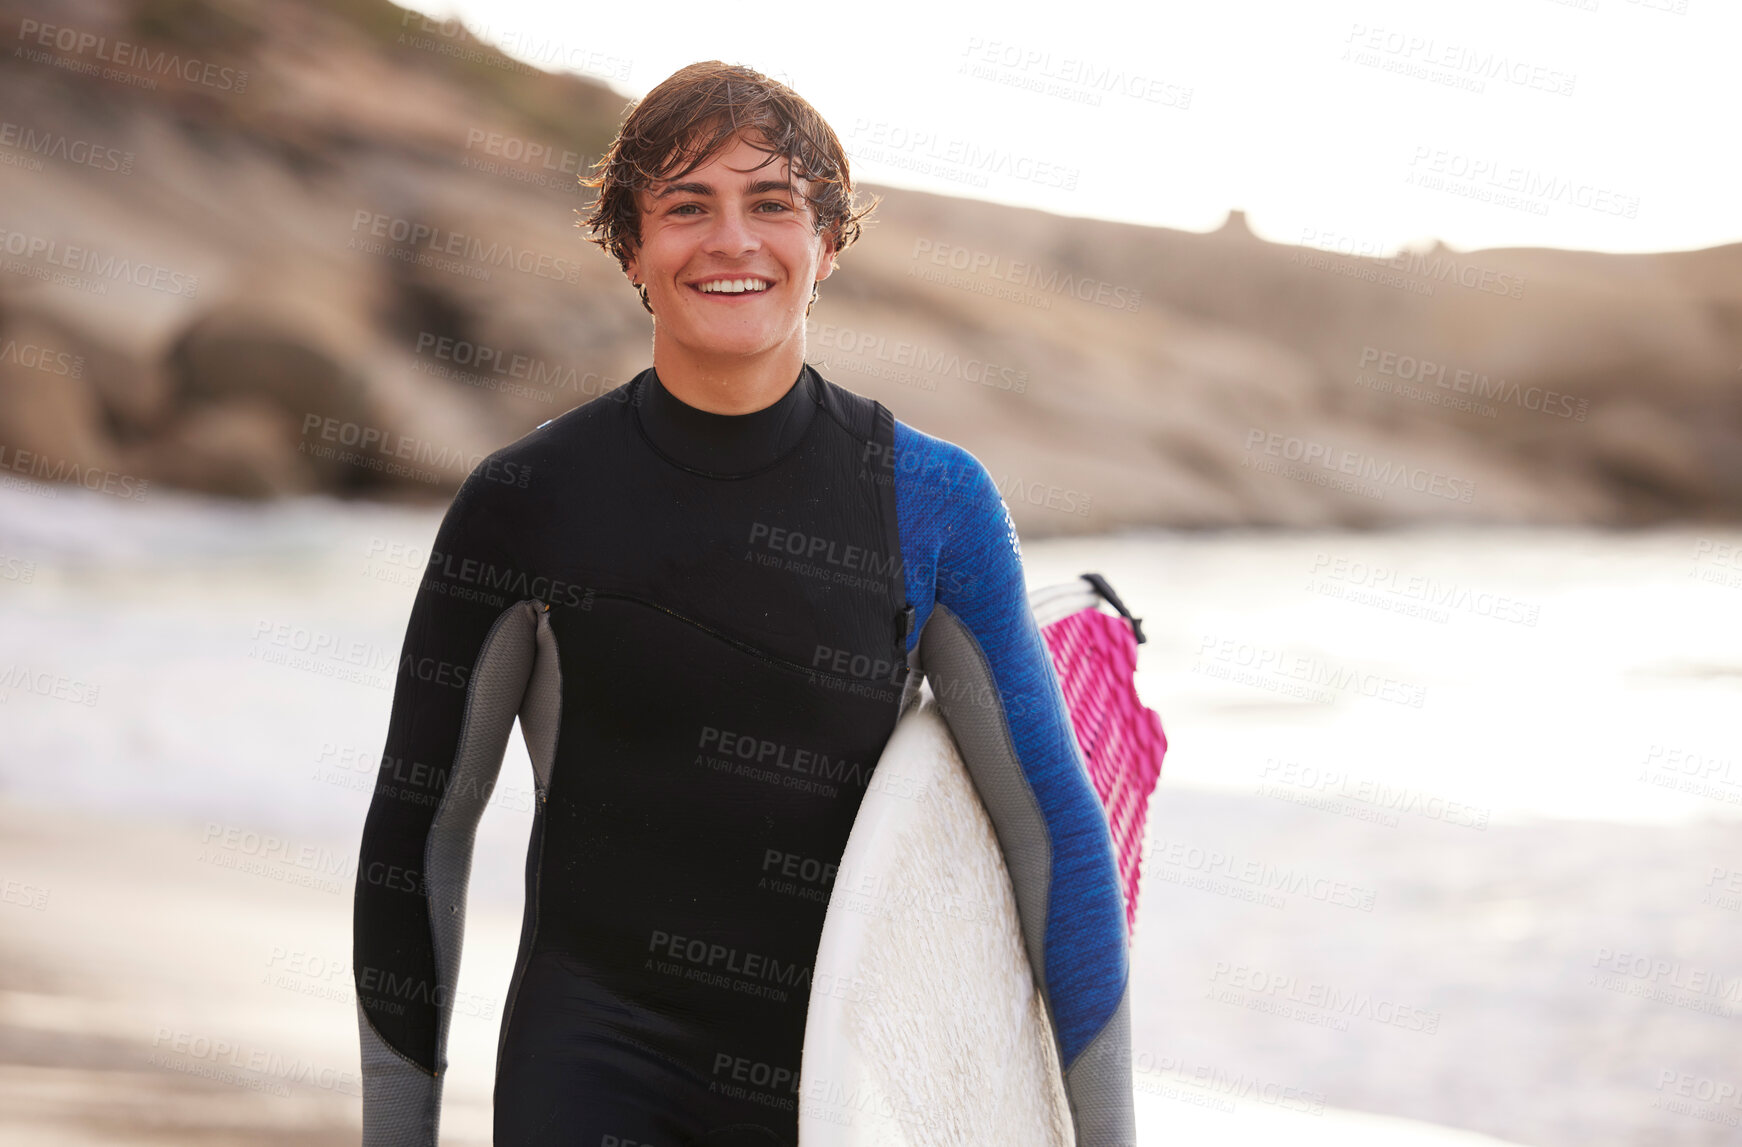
x: 1098, y: 1085
x: 541, y: 710
x: 540, y: 724
x: 398, y: 1095
x: 967, y: 696
x: 493, y: 699
x: 402, y: 1103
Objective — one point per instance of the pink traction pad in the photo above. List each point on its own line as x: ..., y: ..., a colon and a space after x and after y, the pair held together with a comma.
x: 1095, y: 657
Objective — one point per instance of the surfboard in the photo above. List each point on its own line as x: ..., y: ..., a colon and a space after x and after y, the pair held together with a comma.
x: 924, y: 1026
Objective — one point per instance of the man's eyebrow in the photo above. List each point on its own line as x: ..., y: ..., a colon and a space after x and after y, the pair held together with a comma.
x: 693, y: 188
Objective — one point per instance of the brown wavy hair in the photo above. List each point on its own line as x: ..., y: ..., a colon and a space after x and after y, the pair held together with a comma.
x: 693, y: 115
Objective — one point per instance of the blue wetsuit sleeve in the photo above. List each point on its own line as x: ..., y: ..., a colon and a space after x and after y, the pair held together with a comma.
x: 981, y: 649
x: 462, y: 672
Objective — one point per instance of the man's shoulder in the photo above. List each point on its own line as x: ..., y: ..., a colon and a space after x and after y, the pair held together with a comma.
x: 930, y: 465
x: 946, y: 492
x: 603, y: 414
x: 557, y: 447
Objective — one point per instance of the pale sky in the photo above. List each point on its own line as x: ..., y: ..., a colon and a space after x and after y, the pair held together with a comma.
x: 1604, y: 125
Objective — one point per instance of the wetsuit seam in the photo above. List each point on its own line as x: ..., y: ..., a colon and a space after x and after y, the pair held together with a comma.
x: 531, y: 943
x: 542, y: 795
x: 851, y: 433
x: 381, y: 1036
x: 1112, y: 1014
x: 739, y: 643
x: 889, y: 528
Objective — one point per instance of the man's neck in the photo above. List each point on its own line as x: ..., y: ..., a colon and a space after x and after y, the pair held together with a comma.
x: 728, y: 386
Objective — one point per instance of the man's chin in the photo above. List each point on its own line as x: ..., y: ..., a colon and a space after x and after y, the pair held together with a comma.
x: 720, y: 341
x: 709, y: 344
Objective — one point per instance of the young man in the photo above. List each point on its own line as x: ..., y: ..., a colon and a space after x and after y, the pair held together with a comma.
x: 696, y: 700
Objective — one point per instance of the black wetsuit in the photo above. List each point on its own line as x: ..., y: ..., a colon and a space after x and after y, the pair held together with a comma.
x: 707, y: 626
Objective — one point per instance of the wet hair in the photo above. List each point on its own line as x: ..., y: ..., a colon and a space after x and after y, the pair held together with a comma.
x: 693, y: 115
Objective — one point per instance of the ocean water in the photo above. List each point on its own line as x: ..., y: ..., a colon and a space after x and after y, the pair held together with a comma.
x: 1512, y: 674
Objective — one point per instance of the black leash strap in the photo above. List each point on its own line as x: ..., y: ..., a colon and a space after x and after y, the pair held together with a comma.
x: 1106, y: 591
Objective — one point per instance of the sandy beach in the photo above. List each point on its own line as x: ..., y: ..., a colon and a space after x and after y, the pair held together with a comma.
x: 174, y: 983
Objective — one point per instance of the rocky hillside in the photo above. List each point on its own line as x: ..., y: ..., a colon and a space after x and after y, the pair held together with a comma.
x: 267, y: 248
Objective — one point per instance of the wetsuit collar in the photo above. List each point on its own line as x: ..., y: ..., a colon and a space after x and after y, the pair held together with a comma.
x: 724, y: 444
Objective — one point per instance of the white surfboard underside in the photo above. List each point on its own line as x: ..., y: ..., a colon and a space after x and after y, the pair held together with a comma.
x: 924, y: 1026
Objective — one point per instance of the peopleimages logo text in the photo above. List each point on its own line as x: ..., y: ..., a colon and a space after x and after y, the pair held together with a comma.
x: 1342, y: 460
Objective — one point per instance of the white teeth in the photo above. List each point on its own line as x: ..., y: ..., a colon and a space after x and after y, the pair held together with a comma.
x: 735, y: 286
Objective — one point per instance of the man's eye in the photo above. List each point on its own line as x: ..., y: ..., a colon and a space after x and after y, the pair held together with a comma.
x: 686, y: 208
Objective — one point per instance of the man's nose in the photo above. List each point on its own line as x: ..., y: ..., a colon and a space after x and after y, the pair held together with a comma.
x: 732, y: 233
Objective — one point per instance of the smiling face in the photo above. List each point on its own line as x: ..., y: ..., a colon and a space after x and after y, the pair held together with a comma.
x: 728, y: 255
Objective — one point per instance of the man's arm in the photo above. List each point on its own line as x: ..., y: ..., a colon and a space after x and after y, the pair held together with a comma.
x: 462, y: 672
x: 995, y: 684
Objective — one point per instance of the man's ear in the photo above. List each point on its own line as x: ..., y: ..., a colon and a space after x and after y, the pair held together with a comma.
x: 826, y: 264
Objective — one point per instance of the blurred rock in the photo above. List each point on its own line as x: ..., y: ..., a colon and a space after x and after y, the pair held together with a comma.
x: 243, y: 446
x: 49, y: 404
x: 242, y: 383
